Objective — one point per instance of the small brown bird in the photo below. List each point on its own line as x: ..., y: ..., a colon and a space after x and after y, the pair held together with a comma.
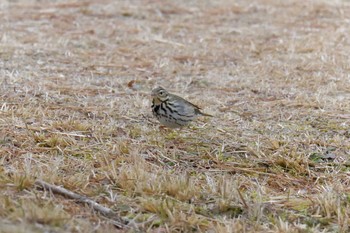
x: 173, y: 111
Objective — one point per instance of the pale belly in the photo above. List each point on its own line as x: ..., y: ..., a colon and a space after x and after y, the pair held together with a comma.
x: 170, y: 119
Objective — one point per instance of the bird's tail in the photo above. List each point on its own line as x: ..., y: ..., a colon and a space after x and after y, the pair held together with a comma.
x: 205, y: 114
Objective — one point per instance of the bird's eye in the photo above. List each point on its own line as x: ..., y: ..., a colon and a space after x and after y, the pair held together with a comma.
x: 161, y: 92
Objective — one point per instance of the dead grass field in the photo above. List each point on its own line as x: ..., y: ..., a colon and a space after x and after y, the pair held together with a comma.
x: 75, y: 111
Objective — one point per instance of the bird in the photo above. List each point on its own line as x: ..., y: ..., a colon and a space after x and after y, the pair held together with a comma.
x: 173, y: 111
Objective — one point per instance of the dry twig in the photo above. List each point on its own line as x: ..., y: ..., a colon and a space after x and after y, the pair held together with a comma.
x: 107, y: 212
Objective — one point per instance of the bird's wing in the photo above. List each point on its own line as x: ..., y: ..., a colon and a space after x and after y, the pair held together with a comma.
x: 185, y: 101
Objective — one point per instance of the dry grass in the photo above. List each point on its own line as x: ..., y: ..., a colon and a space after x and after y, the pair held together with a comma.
x: 75, y: 112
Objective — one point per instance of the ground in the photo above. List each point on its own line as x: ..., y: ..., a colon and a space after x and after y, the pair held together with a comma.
x: 75, y: 86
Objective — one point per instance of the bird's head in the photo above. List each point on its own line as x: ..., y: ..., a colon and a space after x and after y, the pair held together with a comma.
x: 159, y: 94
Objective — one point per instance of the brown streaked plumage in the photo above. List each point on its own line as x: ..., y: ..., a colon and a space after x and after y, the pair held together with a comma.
x: 173, y: 111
